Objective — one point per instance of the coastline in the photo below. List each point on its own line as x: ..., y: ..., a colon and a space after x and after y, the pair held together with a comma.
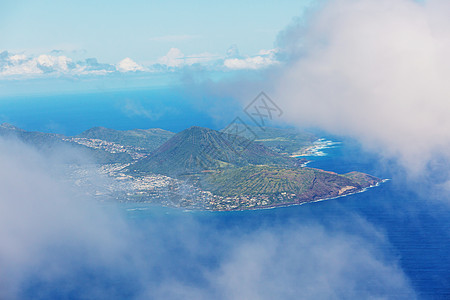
x: 316, y: 148
x: 272, y: 206
x: 306, y: 202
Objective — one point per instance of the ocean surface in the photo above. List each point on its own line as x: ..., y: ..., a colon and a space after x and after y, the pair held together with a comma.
x: 71, y: 114
x: 401, y: 224
x: 416, y: 230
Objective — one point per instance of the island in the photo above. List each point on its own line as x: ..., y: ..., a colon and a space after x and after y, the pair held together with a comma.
x: 201, y: 168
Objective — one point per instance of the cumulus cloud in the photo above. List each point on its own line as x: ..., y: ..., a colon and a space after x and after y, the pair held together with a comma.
x: 374, y: 70
x: 58, y: 62
x: 17, y: 58
x: 54, y: 63
x: 15, y: 64
x: 173, y: 58
x: 128, y: 65
x: 23, y: 66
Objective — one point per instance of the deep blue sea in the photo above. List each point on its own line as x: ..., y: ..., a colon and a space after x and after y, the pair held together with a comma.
x: 185, y: 250
x: 416, y: 230
x: 71, y: 114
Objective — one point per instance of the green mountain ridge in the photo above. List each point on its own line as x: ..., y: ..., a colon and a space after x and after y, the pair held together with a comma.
x: 280, y: 186
x: 198, y: 149
x: 148, y: 139
x: 281, y: 140
x: 52, y: 143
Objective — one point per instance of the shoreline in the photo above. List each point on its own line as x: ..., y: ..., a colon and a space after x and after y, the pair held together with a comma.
x: 316, y: 148
x: 263, y: 208
x: 306, y: 202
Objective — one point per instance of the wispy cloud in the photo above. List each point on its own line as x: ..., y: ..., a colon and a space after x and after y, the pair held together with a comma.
x: 136, y: 109
x: 175, y: 58
x: 264, y: 59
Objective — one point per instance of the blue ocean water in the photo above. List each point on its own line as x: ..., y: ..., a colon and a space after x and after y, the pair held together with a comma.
x: 416, y: 225
x: 416, y: 228
x: 71, y: 114
x: 179, y: 245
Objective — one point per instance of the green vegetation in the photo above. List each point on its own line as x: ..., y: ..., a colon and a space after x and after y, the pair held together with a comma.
x: 253, y: 180
x: 148, y: 139
x: 274, y: 180
x: 199, y: 149
x: 281, y: 140
x: 53, y: 144
x: 362, y: 178
x: 244, y: 177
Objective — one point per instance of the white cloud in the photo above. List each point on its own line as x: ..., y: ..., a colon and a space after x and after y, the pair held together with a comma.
x: 17, y: 58
x: 128, y: 65
x: 264, y: 59
x: 40, y: 213
x: 22, y: 66
x: 173, y: 58
x: 54, y: 63
x: 309, y: 263
x: 25, y: 67
x: 375, y: 70
x: 296, y: 262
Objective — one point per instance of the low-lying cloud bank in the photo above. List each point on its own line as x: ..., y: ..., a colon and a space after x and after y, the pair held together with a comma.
x: 56, y: 243
x: 45, y: 227
x: 299, y: 262
x: 57, y: 63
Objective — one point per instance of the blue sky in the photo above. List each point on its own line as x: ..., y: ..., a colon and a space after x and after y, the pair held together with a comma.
x: 142, y: 30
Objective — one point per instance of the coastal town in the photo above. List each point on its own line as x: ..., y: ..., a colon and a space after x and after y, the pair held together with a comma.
x: 164, y: 190
x: 134, y: 152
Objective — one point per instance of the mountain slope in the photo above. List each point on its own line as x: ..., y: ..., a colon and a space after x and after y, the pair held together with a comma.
x: 252, y: 180
x: 149, y: 139
x: 281, y: 140
x: 51, y: 144
x: 199, y: 149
